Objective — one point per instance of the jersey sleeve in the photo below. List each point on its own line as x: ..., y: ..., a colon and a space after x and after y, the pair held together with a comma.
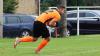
x: 57, y: 17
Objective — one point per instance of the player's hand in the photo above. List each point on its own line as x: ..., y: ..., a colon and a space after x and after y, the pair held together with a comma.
x: 52, y: 24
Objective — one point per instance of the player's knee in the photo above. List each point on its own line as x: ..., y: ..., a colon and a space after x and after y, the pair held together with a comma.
x: 35, y: 39
x: 48, y: 39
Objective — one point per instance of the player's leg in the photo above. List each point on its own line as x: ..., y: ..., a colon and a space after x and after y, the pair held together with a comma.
x: 46, y: 38
x: 24, y: 39
x: 35, y: 33
x: 42, y: 44
x: 33, y: 38
x: 27, y: 39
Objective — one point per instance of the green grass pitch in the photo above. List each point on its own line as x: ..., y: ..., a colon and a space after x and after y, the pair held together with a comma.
x: 84, y: 45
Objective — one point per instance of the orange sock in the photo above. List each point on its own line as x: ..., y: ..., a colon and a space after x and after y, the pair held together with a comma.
x: 26, y: 39
x: 42, y: 44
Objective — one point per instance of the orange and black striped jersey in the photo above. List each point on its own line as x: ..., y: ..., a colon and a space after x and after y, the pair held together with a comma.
x: 49, y: 15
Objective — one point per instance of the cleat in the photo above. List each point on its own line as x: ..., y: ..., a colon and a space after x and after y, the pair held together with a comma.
x: 16, y: 42
x: 37, y: 51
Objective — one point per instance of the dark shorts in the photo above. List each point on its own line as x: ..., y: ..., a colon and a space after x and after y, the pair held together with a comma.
x: 40, y: 29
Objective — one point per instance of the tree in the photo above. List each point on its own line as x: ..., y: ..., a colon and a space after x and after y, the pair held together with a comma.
x: 63, y: 20
x: 48, y: 3
x: 75, y: 2
x: 9, y: 6
x: 91, y: 2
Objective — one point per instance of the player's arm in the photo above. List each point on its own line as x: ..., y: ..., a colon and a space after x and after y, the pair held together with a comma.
x: 54, y: 21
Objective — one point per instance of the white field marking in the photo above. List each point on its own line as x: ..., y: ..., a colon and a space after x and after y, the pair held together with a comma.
x: 21, y: 46
x: 71, y: 53
x: 83, y: 39
x: 83, y: 52
x: 92, y: 50
x: 18, y: 47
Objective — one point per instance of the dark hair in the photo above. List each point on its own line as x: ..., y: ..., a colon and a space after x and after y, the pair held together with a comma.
x: 61, y: 7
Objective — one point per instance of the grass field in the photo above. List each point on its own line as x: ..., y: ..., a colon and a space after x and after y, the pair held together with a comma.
x: 84, y: 45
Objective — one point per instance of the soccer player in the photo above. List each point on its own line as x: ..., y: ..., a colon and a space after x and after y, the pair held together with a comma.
x: 49, y: 18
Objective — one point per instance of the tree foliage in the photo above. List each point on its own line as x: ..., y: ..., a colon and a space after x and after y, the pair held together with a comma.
x: 83, y: 2
x: 48, y: 3
x: 9, y: 6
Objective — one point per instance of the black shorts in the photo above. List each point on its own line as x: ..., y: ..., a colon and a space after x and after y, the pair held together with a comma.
x: 40, y: 29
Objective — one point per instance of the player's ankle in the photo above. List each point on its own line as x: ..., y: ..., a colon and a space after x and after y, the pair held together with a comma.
x: 37, y: 51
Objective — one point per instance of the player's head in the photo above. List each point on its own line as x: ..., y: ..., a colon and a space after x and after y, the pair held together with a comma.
x: 61, y: 9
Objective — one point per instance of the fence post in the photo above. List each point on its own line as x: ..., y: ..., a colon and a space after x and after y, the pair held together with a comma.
x: 78, y: 21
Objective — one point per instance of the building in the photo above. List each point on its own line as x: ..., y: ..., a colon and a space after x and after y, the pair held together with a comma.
x: 27, y: 7
x: 1, y: 18
x: 1, y: 6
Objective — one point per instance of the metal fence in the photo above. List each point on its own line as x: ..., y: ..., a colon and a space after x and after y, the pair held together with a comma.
x: 78, y: 8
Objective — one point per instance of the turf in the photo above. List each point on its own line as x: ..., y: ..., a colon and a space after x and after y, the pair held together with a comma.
x: 84, y: 45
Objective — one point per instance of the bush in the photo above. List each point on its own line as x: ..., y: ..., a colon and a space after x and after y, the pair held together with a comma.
x: 9, y: 6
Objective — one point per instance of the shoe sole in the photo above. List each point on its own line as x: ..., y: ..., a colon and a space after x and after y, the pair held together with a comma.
x: 15, y: 43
